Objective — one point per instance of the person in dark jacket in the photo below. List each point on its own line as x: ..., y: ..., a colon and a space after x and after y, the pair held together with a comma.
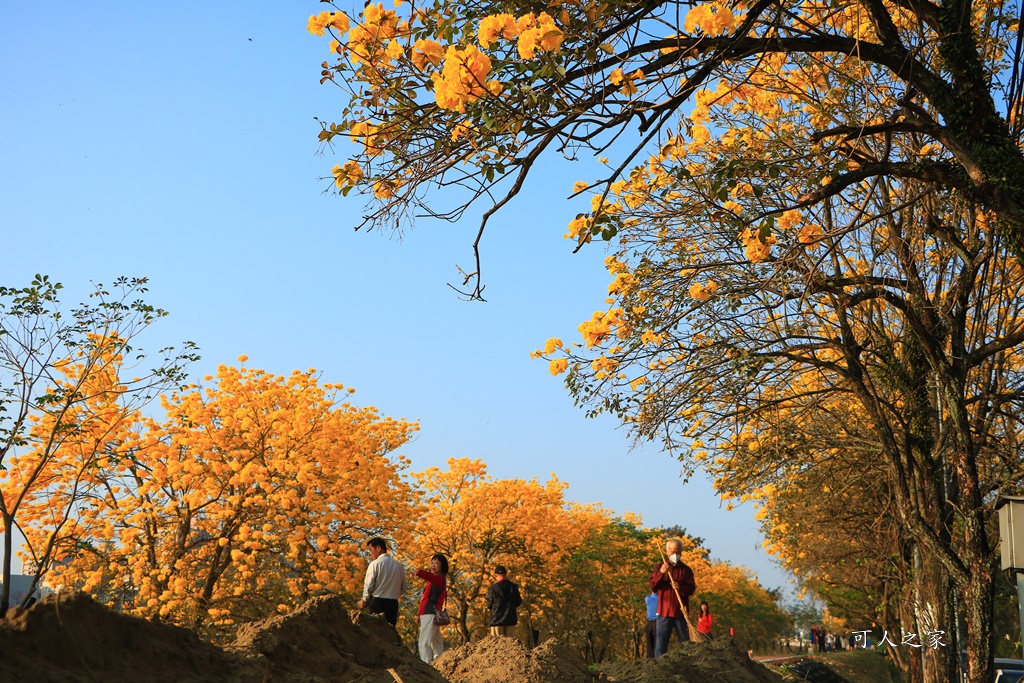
x: 502, y: 600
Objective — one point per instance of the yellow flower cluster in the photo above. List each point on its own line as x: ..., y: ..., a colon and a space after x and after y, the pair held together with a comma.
x: 603, y: 366
x: 650, y: 337
x: 703, y: 291
x: 347, y: 175
x: 600, y: 325
x: 550, y: 346
x: 366, y: 42
x: 463, y: 78
x: 491, y: 27
x: 426, y: 51
x: 318, y: 23
x: 621, y: 282
x: 538, y: 33
x: 534, y: 32
x: 710, y: 21
x: 558, y: 366
x: 626, y: 82
x: 789, y: 219
x: 756, y: 250
x: 578, y: 226
x: 810, y: 234
x: 614, y: 265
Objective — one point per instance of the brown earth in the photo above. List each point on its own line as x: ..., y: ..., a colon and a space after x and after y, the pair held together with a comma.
x: 497, y: 659
x: 72, y: 639
x: 717, y: 661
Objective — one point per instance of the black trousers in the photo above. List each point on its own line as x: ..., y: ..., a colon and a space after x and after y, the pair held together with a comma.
x: 652, y: 636
x: 387, y: 607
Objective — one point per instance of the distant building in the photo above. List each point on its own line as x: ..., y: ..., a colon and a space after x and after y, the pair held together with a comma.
x: 20, y: 584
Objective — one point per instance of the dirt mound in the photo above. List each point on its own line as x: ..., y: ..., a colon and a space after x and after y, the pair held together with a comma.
x: 319, y: 641
x: 718, y: 661
x: 72, y: 639
x: 497, y: 659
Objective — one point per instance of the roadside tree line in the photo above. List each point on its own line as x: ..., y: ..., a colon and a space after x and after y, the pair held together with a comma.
x: 813, y: 213
x: 255, y: 492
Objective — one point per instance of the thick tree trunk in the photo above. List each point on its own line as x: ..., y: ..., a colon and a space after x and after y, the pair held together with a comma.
x: 931, y: 610
x: 977, y: 605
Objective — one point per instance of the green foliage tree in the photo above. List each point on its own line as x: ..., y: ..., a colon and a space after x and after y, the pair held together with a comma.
x: 54, y: 394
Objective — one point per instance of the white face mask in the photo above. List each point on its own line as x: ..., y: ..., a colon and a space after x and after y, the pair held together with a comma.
x: 673, y: 558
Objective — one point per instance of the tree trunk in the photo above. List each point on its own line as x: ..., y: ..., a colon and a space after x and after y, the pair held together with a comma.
x: 5, y: 593
x: 977, y: 605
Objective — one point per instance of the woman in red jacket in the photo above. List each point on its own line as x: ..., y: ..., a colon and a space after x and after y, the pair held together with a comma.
x: 431, y: 643
x: 704, y: 620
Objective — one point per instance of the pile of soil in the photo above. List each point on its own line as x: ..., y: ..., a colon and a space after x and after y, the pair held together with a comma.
x: 718, y: 661
x: 320, y: 642
x: 497, y: 659
x: 73, y: 639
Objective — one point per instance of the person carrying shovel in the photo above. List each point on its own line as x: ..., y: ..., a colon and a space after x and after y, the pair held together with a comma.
x: 673, y: 581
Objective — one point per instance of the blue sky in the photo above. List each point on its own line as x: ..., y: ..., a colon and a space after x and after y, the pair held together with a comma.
x: 177, y: 142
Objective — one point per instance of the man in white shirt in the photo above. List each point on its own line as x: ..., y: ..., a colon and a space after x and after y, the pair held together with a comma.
x: 385, y: 582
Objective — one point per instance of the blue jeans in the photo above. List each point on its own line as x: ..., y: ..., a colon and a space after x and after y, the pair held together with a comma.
x: 665, y: 627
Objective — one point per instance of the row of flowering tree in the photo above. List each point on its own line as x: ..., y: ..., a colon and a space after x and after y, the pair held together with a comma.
x: 583, y: 571
x: 258, y: 491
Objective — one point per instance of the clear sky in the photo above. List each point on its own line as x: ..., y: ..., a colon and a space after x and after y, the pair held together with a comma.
x: 176, y: 141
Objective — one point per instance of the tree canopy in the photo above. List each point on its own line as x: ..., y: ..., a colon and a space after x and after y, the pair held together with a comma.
x: 811, y: 206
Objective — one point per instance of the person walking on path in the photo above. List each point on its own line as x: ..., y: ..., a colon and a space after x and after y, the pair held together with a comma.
x: 431, y: 644
x: 704, y: 620
x: 652, y: 622
x: 673, y: 581
x: 502, y: 600
x: 384, y: 583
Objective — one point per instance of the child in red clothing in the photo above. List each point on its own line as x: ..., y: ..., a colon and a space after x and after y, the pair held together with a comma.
x: 704, y: 621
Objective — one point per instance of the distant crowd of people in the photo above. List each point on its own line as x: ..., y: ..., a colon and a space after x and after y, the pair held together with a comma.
x: 825, y: 641
x: 671, y: 583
